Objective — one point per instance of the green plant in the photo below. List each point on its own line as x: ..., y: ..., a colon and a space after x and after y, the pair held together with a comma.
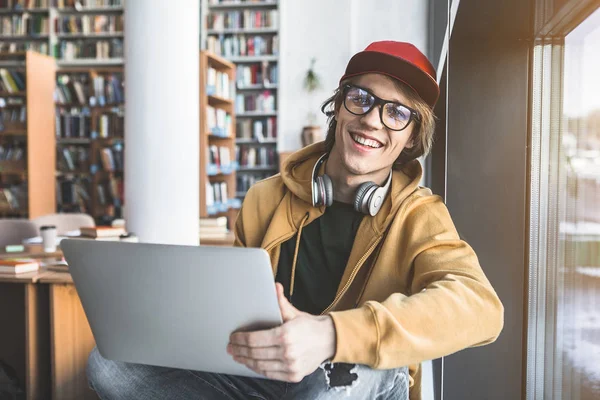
x: 312, y: 81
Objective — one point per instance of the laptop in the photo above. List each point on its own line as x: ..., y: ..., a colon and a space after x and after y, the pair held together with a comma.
x: 170, y: 305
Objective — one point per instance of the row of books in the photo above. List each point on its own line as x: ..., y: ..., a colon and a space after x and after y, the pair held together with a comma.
x: 78, y: 4
x: 245, y: 181
x: 259, y: 129
x: 13, y: 197
x: 72, y: 123
x: 86, y: 48
x: 216, y: 195
x: 25, y: 24
x: 76, y: 123
x: 243, y: 19
x: 254, y: 74
x: 82, y: 89
x: 35, y: 4
x: 13, y: 118
x: 24, y: 4
x: 218, y: 121
x: 218, y: 84
x: 73, y: 158
x: 111, y: 191
x: 73, y: 192
x: 251, y: 156
x: 12, y: 152
x: 219, y: 156
x: 6, y: 46
x: 255, y: 102
x: 11, y: 80
x: 242, y: 45
x: 89, y: 24
x: 111, y: 125
x: 112, y: 157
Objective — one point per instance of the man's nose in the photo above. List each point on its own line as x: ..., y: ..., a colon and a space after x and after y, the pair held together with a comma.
x: 372, y: 119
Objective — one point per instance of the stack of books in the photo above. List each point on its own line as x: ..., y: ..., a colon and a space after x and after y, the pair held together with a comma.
x: 15, y: 266
x: 102, y: 233
x: 213, y: 228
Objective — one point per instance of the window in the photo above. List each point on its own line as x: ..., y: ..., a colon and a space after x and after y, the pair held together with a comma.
x: 563, y: 360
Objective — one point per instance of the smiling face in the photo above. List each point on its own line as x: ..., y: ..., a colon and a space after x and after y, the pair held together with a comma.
x: 363, y: 144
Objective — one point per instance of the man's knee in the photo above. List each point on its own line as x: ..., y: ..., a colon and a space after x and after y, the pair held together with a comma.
x: 104, y: 376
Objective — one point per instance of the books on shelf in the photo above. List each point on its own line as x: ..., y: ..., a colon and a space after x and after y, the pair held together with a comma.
x: 232, y: 45
x: 13, y: 152
x: 73, y: 158
x: 259, y: 129
x: 246, y: 19
x: 264, y: 73
x: 73, y: 195
x: 218, y: 121
x: 73, y: 123
x: 218, y: 84
x: 72, y: 89
x: 14, y: 197
x: 255, y: 102
x: 24, y: 24
x: 111, y: 124
x: 111, y: 192
x: 13, y: 118
x: 112, y: 157
x: 8, y: 46
x: 18, y: 265
x: 24, y: 4
x: 83, y: 4
x: 90, y: 49
x: 11, y: 81
x: 244, y: 181
x: 251, y: 156
x: 88, y: 24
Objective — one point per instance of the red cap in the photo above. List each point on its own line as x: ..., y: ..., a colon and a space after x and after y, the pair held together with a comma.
x: 401, y: 61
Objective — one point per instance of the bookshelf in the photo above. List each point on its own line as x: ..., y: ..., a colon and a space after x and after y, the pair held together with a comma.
x: 217, y: 138
x: 27, y: 142
x: 90, y: 141
x: 246, y: 33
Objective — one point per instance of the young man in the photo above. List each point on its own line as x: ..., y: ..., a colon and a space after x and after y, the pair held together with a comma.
x: 372, y: 277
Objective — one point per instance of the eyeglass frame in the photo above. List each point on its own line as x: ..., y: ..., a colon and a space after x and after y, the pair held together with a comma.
x: 414, y: 115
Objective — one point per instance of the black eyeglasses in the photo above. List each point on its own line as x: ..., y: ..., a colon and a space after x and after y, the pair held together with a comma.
x: 394, y: 116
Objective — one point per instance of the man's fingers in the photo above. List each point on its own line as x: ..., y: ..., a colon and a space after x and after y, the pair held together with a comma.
x: 266, y: 338
x: 257, y: 353
x: 262, y: 366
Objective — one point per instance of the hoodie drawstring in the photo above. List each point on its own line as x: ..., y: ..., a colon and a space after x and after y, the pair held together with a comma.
x: 296, y: 255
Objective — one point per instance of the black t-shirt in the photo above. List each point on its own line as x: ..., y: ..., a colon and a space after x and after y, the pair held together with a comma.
x: 325, y: 246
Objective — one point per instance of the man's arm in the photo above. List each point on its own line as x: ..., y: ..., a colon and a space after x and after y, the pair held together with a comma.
x: 453, y: 306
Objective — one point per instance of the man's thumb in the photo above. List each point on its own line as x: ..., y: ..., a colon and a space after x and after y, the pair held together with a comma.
x: 288, y: 311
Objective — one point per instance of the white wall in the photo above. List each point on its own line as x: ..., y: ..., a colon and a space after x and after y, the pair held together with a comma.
x: 332, y: 34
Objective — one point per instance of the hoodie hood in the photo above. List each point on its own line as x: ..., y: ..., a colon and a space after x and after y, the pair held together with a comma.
x: 296, y: 174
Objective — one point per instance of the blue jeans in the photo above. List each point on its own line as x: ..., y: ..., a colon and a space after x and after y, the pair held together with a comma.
x: 119, y: 380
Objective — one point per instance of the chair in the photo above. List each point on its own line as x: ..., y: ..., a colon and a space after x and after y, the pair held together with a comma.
x: 13, y: 231
x: 64, y: 222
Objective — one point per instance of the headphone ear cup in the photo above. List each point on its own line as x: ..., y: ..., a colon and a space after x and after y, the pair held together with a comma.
x: 361, y: 200
x: 328, y: 192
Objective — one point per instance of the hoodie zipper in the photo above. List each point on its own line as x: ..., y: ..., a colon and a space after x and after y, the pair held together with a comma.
x: 353, y: 275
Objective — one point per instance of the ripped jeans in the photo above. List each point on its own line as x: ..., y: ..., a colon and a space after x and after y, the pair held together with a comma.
x: 118, y: 380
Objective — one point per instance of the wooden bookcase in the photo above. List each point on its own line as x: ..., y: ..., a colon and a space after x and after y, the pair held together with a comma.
x: 33, y: 172
x: 243, y: 22
x: 91, y: 141
x: 211, y: 173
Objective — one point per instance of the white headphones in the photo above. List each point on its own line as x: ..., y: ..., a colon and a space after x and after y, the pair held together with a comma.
x: 368, y: 199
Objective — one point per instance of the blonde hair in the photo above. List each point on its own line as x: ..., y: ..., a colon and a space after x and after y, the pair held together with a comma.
x: 422, y: 135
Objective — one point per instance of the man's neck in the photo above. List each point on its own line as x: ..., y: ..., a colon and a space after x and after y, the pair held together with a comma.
x: 345, y: 183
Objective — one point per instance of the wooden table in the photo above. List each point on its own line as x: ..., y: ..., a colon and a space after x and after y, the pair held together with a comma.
x: 25, y: 332
x: 71, y: 339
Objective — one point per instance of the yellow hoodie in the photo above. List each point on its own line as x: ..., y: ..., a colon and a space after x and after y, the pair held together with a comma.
x: 412, y: 289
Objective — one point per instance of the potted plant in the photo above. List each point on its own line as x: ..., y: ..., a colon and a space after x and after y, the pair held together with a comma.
x: 311, y: 133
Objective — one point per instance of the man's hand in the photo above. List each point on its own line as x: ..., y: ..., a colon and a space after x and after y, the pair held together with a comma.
x: 289, y: 352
